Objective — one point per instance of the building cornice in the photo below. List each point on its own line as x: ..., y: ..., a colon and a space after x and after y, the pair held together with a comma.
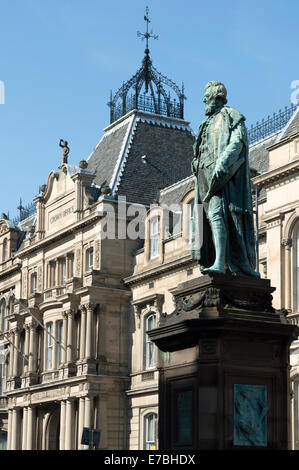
x: 160, y: 269
x: 276, y: 174
x: 60, y: 234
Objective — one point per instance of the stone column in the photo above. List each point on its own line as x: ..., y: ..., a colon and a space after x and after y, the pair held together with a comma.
x: 89, y: 332
x: 14, y: 429
x: 24, y: 430
x: 26, y: 349
x: 16, y: 354
x: 9, y: 431
x: 30, y: 427
x: 81, y: 421
x: 70, y: 333
x: 64, y: 337
x: 32, y: 347
x: 82, y: 333
x: 69, y: 419
x: 62, y: 426
x: 87, y: 414
x: 11, y: 356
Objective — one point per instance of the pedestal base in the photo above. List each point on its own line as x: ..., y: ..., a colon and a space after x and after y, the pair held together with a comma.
x: 225, y: 383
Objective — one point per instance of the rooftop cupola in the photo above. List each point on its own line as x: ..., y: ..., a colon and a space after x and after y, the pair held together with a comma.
x: 148, y: 90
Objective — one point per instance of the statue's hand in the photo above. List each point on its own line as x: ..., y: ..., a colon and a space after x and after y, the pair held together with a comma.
x: 219, y: 171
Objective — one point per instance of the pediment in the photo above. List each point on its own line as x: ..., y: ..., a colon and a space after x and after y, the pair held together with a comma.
x: 59, y: 200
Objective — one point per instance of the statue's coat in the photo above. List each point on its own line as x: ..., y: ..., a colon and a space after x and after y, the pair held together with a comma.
x: 227, y: 146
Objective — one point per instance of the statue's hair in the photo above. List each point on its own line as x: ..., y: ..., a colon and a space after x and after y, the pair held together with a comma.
x: 219, y: 90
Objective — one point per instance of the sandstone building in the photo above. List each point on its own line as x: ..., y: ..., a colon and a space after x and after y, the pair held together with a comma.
x: 75, y: 305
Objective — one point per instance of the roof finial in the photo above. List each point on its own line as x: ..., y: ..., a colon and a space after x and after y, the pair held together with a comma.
x: 147, y: 35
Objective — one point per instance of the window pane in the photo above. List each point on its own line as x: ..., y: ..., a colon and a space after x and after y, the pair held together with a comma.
x: 59, y: 339
x: 50, y: 346
x: 150, y: 431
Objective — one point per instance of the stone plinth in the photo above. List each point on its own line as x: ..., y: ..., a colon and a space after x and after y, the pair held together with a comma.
x: 224, y: 382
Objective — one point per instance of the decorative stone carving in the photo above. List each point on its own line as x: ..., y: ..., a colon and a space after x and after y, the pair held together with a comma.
x: 40, y: 279
x: 97, y: 254
x: 78, y: 262
x: 287, y: 243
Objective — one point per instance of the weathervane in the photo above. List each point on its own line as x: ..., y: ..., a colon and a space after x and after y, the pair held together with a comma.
x: 147, y: 35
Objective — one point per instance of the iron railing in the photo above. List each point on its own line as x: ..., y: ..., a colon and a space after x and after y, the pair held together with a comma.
x: 270, y: 125
x: 172, y: 108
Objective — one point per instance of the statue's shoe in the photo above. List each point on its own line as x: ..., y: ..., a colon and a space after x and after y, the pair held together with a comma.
x: 214, y: 269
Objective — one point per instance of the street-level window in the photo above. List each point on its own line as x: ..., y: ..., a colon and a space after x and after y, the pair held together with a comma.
x: 150, y: 359
x: 50, y: 346
x: 154, y: 237
x: 59, y: 343
x: 3, y: 440
x: 89, y: 259
x: 150, y: 431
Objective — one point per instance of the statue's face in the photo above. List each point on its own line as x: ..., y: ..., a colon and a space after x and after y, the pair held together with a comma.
x: 210, y: 102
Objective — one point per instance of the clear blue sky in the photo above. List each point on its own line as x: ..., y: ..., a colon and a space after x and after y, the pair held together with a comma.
x: 60, y: 58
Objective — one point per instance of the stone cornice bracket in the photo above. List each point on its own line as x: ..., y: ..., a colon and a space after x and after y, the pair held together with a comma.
x: 287, y: 243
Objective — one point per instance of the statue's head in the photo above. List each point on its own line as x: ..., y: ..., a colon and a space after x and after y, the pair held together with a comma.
x: 215, y: 97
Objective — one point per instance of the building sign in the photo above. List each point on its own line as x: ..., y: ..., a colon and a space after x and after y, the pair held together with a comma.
x: 61, y: 216
x: 250, y: 415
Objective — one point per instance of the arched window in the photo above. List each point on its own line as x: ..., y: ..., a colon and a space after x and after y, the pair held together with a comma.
x: 150, y: 431
x: 3, y: 310
x: 150, y: 351
x: 190, y: 220
x: 4, y: 250
x: 154, y: 237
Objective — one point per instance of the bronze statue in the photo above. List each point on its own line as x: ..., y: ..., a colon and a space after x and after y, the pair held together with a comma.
x: 65, y: 150
x: 220, y: 165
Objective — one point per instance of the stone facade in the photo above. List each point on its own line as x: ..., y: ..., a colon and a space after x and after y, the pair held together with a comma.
x: 65, y: 310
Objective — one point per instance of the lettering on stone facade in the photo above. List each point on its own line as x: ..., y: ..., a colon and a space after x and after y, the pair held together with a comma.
x: 61, y: 215
x: 48, y: 394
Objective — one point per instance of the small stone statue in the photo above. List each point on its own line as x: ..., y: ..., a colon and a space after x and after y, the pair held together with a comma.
x: 65, y: 150
x: 223, y: 186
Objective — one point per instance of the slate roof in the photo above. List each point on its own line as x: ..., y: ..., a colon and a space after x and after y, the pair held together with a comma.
x: 104, y: 158
x: 167, y: 144
x: 259, y: 155
x: 175, y: 193
x: 291, y: 128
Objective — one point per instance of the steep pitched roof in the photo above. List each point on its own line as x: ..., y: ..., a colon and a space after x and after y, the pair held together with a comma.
x: 291, y: 128
x: 166, y: 143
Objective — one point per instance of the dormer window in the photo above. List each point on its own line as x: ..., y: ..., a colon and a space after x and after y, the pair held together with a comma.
x: 154, y: 237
